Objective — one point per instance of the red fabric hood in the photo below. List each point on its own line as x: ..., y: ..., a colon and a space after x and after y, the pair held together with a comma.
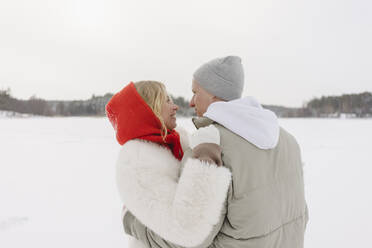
x: 132, y: 118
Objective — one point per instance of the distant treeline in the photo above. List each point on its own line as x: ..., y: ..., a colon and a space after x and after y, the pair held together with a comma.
x: 358, y: 105
x: 347, y: 105
x: 95, y: 106
x: 350, y: 105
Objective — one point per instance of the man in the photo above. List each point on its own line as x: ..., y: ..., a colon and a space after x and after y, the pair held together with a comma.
x: 265, y: 204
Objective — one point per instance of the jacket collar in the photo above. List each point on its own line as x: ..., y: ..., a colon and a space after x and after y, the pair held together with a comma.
x: 202, y: 122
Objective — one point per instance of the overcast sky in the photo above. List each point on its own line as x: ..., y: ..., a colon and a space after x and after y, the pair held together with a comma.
x: 291, y: 50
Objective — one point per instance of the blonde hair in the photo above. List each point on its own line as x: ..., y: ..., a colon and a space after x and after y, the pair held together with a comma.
x: 155, y: 95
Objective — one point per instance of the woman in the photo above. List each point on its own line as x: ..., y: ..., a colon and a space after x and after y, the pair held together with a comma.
x: 181, y: 207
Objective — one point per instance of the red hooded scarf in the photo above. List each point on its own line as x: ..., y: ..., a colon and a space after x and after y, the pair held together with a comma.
x: 132, y: 118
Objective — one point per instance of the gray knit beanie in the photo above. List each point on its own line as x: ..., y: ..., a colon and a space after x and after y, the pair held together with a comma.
x: 222, y: 77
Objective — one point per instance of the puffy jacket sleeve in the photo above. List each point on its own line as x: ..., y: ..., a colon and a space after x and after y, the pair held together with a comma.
x: 183, y: 212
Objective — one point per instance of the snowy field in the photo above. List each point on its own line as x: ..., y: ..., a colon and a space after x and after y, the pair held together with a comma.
x: 57, y: 182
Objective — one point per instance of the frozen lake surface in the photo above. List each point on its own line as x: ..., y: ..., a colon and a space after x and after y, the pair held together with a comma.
x: 57, y: 182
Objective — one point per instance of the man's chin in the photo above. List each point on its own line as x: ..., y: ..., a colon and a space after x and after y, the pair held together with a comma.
x: 199, y: 114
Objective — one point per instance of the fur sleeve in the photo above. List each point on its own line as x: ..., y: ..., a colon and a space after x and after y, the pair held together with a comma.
x: 182, y: 212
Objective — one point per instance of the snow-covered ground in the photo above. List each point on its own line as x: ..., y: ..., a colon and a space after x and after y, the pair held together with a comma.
x: 12, y: 114
x: 57, y: 182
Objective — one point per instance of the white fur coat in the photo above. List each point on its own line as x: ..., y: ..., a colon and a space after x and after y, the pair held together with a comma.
x: 180, y: 208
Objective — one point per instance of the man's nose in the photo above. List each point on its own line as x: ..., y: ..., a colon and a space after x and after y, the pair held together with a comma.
x: 192, y: 104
